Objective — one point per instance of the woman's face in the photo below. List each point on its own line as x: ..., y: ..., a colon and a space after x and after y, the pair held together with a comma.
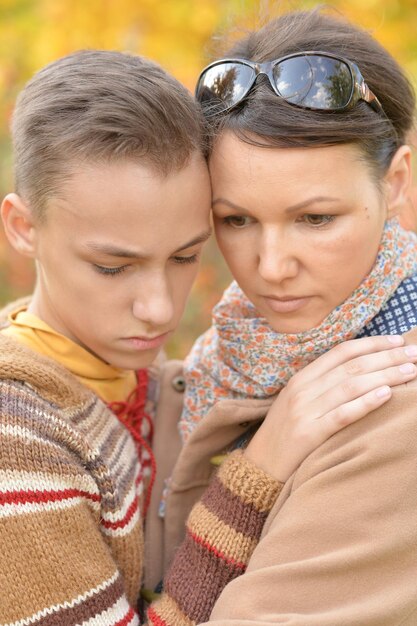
x: 298, y: 227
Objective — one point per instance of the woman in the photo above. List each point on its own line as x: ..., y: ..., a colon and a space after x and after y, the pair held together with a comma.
x: 308, y: 119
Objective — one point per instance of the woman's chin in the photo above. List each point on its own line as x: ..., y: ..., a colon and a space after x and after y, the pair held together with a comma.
x: 294, y: 324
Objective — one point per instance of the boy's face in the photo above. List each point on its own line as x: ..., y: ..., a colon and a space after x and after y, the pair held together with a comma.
x: 117, y: 255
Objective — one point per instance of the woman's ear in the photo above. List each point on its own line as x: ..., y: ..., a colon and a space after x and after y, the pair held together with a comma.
x: 19, y: 224
x: 398, y: 181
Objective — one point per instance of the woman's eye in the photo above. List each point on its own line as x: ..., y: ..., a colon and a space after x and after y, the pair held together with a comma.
x: 236, y: 221
x: 109, y: 271
x: 186, y: 259
x: 317, y: 220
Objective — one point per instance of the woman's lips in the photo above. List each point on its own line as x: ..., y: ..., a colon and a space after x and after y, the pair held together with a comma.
x: 147, y: 343
x: 288, y: 304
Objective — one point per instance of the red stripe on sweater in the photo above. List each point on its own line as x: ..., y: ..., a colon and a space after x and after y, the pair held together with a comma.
x: 30, y: 496
x: 126, y: 619
x: 123, y: 522
x: 215, y: 551
x: 155, y: 619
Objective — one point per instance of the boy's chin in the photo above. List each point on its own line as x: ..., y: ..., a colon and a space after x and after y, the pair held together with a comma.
x: 136, y: 361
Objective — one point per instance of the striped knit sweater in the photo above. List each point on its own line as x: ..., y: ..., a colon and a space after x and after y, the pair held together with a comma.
x: 222, y: 531
x: 70, y: 510
x: 70, y: 488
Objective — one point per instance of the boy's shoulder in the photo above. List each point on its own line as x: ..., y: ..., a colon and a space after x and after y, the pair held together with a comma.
x: 48, y: 379
x: 9, y: 308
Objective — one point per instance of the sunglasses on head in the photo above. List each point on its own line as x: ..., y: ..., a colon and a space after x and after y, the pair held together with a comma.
x: 311, y: 80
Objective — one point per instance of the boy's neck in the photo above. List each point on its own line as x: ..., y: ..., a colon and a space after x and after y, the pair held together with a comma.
x: 45, y: 312
x: 38, y: 307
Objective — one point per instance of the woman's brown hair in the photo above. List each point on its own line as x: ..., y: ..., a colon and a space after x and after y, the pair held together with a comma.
x: 266, y: 120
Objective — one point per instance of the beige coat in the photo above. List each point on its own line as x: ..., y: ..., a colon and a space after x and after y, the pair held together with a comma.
x: 340, y: 545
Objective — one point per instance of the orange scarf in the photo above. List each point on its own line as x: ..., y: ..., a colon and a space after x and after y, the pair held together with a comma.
x: 241, y: 356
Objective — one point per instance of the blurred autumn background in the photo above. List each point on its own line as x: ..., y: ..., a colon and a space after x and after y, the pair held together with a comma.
x: 182, y: 35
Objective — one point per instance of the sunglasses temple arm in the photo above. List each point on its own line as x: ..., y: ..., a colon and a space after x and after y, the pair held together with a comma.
x: 370, y: 97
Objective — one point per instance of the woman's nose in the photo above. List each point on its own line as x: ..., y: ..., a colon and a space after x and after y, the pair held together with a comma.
x: 277, y: 259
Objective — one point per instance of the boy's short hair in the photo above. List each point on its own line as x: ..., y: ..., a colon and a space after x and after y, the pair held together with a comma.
x: 99, y: 106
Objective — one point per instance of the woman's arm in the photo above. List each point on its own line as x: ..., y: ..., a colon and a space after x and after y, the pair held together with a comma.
x: 205, y: 562
x: 222, y: 531
x: 340, y: 546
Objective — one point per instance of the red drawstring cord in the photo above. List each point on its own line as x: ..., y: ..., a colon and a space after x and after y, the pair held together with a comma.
x: 132, y: 414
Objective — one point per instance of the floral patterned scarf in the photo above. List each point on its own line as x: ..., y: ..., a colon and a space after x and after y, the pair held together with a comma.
x: 240, y: 356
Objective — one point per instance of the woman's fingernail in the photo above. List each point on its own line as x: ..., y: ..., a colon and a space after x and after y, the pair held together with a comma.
x: 407, y: 368
x: 411, y: 350
x: 383, y: 392
x: 397, y: 340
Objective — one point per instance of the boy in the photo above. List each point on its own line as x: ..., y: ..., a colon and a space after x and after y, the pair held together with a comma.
x: 112, y: 201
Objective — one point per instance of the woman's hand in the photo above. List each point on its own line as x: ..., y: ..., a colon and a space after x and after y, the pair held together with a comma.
x: 337, y: 389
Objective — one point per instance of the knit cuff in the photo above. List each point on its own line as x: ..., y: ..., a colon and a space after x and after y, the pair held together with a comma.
x: 249, y: 482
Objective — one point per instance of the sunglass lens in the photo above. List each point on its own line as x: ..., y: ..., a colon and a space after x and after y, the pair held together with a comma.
x: 224, y: 85
x: 314, y: 81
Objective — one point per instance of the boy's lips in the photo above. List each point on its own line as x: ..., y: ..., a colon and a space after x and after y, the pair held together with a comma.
x: 147, y: 343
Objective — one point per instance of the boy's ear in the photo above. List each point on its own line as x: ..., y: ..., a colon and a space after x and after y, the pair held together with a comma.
x: 19, y: 224
x: 398, y: 181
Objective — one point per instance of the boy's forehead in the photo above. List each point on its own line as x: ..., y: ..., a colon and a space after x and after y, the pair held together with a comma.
x: 107, y: 182
x: 90, y: 174
x: 112, y: 204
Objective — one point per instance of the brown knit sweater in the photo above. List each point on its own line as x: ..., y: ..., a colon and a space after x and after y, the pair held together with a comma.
x: 70, y: 510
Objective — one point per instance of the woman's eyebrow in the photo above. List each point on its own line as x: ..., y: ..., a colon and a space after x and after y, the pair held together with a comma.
x: 308, y: 202
x: 229, y: 203
x: 290, y: 209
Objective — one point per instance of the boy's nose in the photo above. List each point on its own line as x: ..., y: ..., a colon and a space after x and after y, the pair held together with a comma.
x: 154, y: 304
